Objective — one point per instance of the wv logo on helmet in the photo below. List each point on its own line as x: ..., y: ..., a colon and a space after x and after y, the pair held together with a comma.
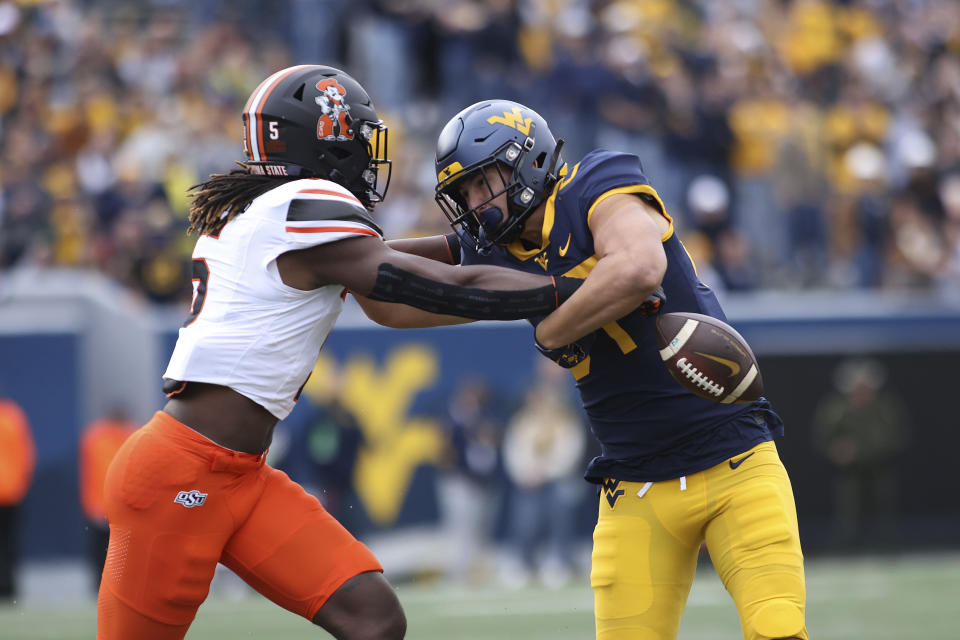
x: 191, y: 499
x: 513, y: 119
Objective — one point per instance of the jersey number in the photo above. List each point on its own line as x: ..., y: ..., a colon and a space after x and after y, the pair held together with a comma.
x: 201, y: 273
x: 619, y: 335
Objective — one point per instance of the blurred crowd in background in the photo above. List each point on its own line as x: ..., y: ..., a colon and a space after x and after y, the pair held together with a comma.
x: 798, y: 143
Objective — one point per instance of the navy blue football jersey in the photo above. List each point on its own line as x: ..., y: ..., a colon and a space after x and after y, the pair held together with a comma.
x: 649, y: 427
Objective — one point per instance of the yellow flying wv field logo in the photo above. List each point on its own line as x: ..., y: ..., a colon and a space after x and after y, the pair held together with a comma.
x: 513, y: 119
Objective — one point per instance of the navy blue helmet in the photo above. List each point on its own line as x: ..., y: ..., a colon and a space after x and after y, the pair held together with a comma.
x: 517, y: 142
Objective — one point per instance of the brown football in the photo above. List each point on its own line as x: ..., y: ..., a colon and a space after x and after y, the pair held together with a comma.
x: 708, y: 357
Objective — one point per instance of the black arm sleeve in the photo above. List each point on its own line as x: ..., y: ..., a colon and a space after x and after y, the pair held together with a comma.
x: 396, y: 285
x: 453, y: 244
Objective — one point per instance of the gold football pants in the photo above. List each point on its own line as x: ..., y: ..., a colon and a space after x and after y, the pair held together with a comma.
x: 648, y: 536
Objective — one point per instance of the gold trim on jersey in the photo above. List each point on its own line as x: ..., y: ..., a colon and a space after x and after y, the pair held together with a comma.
x: 516, y: 247
x: 562, y: 182
x: 693, y: 262
x: 636, y: 188
x: 643, y: 188
x: 583, y: 269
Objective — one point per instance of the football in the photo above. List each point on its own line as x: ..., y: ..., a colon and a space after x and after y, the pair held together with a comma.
x: 708, y: 357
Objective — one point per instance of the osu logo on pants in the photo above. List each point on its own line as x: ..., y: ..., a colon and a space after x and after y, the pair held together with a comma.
x: 190, y: 499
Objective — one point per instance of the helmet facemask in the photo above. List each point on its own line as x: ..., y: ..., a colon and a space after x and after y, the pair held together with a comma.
x: 483, y: 227
x: 377, y: 140
x: 356, y: 163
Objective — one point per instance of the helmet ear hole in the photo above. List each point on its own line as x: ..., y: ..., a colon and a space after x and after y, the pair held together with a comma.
x: 339, y: 153
x: 298, y: 94
x: 540, y: 160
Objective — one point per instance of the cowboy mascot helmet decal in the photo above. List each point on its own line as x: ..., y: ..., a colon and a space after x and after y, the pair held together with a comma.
x: 333, y: 124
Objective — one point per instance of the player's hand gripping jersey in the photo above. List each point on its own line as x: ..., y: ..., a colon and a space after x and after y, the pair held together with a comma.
x: 650, y: 428
x: 244, y: 320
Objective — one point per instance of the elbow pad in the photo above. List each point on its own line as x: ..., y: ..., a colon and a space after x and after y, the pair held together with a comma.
x: 396, y: 285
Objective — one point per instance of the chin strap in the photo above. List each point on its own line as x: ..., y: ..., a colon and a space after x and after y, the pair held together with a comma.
x: 554, y: 159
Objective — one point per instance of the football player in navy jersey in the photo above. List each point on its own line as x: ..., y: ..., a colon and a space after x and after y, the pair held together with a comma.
x: 675, y: 470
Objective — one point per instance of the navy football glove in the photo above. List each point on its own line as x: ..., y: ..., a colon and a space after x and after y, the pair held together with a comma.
x: 652, y: 305
x: 569, y: 355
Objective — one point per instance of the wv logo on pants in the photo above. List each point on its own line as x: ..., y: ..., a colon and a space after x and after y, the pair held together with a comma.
x: 190, y: 499
x: 612, y: 491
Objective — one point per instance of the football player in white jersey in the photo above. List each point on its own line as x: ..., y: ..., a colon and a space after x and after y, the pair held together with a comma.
x: 282, y: 238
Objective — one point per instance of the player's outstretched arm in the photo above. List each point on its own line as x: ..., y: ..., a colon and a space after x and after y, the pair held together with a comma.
x: 444, y: 249
x: 440, y: 248
x: 627, y: 240
x: 370, y: 268
x: 403, y: 316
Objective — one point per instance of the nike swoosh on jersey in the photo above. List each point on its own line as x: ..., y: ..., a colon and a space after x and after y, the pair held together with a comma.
x: 733, y: 366
x: 734, y: 465
x: 563, y: 249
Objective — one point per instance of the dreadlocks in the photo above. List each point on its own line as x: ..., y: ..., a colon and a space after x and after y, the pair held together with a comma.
x: 224, y: 196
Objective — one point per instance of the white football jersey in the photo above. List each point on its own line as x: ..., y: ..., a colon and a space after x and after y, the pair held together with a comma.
x: 247, y: 330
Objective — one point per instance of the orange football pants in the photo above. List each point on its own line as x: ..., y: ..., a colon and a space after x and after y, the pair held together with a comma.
x: 178, y: 504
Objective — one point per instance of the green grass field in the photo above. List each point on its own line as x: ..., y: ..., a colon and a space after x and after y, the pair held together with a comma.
x: 848, y: 599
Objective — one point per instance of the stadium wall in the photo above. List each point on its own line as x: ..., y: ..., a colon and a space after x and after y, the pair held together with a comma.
x: 73, y: 345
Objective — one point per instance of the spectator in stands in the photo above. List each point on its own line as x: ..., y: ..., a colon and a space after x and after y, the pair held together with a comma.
x: 802, y: 194
x: 948, y: 277
x: 469, y: 483
x: 98, y: 444
x: 735, y: 262
x: 770, y: 100
x: 708, y: 205
x: 332, y: 441
x: 543, y: 449
x: 17, y: 459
